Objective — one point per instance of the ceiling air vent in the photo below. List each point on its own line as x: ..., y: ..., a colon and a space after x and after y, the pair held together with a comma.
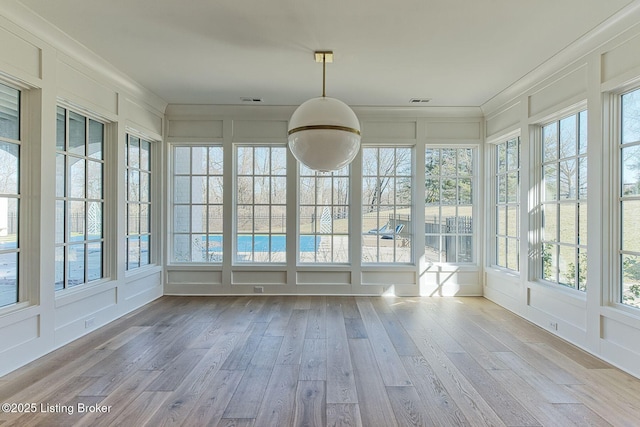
x: 419, y: 100
x: 251, y: 100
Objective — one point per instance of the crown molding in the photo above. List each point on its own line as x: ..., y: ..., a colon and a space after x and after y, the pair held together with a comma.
x: 53, y: 37
x: 622, y: 21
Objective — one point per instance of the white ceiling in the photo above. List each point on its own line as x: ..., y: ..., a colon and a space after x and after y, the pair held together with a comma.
x: 456, y: 52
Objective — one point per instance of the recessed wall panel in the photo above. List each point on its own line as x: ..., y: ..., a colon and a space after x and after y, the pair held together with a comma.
x: 621, y: 59
x: 389, y: 130
x: 503, y: 121
x: 19, y: 53
x: 621, y: 334
x: 323, y: 278
x: 505, y: 284
x: 438, y: 281
x: 85, y: 307
x: 141, y: 285
x: 453, y: 130
x: 19, y: 332
x: 568, y: 308
x: 557, y: 93
x: 259, y: 278
x: 84, y: 88
x: 144, y: 117
x: 247, y: 130
x: 195, y: 128
x: 195, y: 277
x: 388, y: 277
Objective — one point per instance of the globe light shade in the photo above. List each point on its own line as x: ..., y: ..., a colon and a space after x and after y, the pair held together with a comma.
x: 324, y: 134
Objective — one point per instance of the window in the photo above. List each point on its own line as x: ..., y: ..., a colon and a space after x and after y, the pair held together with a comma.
x: 324, y: 216
x: 629, y: 199
x: 507, y: 210
x: 79, y: 199
x: 386, y: 204
x: 448, y: 215
x: 261, y: 202
x: 564, y: 201
x: 9, y: 194
x: 197, y: 203
x: 138, y: 161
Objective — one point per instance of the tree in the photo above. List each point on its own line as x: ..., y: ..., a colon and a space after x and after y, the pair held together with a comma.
x: 381, y: 168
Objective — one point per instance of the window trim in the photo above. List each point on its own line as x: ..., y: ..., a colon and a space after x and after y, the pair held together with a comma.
x: 315, y: 205
x: 411, y: 234
x: 492, y: 250
x: 234, y: 224
x: 24, y: 292
x: 170, y: 203
x: 616, y: 290
x: 478, y: 239
x: 536, y: 262
x: 107, y: 190
x: 153, y: 205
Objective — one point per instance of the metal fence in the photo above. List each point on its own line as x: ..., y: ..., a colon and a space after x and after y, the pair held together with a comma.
x: 452, y: 228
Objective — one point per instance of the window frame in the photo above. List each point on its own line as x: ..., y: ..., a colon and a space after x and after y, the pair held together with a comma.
x: 67, y: 197
x: 320, y: 212
x: 22, y: 294
x: 405, y: 236
x: 474, y: 204
x: 579, y: 246
x: 236, y: 233
x: 492, y: 241
x: 617, y: 291
x: 149, y: 202
x: 216, y: 259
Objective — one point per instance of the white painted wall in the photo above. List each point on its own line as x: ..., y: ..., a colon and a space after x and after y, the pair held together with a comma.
x: 415, y: 128
x: 51, y: 69
x: 591, y: 71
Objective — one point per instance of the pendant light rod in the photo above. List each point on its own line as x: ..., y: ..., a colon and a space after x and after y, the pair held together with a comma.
x: 324, y: 56
x: 324, y: 72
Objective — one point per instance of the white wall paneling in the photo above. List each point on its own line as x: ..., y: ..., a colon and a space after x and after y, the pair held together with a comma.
x: 59, y: 70
x: 78, y: 87
x: 590, y: 72
x: 18, y: 53
x: 453, y: 129
x: 324, y: 278
x: 144, y: 118
x: 268, y: 125
x: 187, y: 129
x: 50, y: 68
x: 503, y: 122
x: 621, y: 61
x: 555, y: 95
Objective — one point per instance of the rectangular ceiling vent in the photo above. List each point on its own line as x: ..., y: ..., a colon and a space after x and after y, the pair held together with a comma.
x: 419, y: 100
x: 251, y: 100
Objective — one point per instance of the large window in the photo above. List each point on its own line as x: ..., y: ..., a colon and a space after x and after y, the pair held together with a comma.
x: 386, y: 204
x: 138, y: 161
x: 9, y: 194
x: 79, y: 199
x: 197, y: 203
x: 449, y: 183
x: 564, y: 201
x: 629, y: 199
x: 261, y: 202
x: 324, y: 216
x: 507, y: 209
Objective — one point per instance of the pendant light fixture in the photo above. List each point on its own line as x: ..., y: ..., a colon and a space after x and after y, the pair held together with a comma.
x: 324, y: 133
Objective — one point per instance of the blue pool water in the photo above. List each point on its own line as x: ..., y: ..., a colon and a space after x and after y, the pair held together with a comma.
x: 260, y: 243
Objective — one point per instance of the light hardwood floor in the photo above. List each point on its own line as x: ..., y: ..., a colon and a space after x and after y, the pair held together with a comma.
x: 316, y: 361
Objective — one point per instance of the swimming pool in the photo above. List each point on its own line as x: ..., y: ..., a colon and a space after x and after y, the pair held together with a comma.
x: 260, y: 243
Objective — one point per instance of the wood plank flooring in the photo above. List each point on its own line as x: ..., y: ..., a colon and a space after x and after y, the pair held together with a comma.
x: 321, y: 361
